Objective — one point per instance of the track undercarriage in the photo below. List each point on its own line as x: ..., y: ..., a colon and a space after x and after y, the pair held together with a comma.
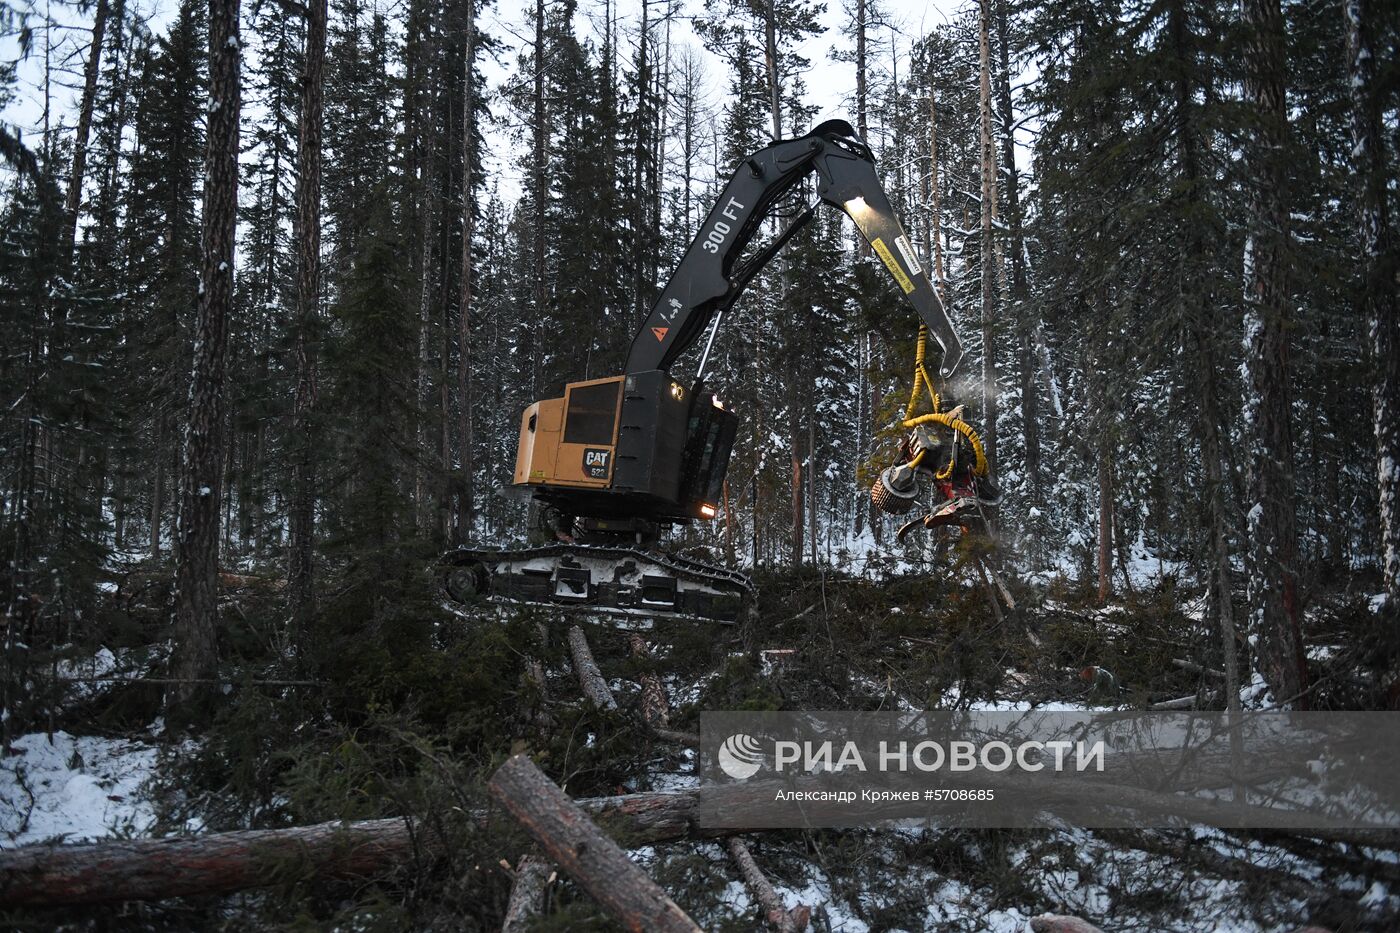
x: 604, y: 574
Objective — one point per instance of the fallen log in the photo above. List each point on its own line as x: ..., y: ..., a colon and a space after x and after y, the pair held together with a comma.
x: 112, y: 871
x: 532, y: 877
x: 782, y: 919
x: 585, y: 853
x: 590, y: 679
x: 218, y: 863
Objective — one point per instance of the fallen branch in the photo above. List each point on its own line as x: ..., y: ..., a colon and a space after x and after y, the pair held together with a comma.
x: 1194, y: 668
x: 590, y: 679
x: 587, y: 855
x: 783, y: 920
x: 1178, y: 703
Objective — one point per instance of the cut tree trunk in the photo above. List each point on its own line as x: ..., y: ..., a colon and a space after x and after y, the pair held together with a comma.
x: 590, y: 679
x: 217, y: 863
x: 593, y: 860
x: 782, y: 919
x: 532, y: 877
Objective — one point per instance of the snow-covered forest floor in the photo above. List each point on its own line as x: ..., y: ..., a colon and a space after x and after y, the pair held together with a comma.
x: 415, y: 725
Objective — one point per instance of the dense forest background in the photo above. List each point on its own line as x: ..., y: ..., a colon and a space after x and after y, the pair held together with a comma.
x: 277, y: 278
x: 268, y: 311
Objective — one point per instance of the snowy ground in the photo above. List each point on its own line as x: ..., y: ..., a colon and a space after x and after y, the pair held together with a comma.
x: 74, y: 788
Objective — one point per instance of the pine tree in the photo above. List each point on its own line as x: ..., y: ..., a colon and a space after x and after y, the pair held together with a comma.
x: 307, y: 328
x: 161, y: 275
x: 1273, y: 583
x: 1380, y: 262
x: 201, y: 476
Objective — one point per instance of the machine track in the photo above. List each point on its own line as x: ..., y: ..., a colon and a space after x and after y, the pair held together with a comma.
x: 600, y: 578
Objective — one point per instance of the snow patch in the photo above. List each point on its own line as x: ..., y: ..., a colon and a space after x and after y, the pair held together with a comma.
x: 74, y: 788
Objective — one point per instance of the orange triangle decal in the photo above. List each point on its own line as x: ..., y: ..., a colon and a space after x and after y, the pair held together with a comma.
x: 660, y: 332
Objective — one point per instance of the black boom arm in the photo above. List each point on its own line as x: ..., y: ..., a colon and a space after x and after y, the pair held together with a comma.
x: 707, y: 281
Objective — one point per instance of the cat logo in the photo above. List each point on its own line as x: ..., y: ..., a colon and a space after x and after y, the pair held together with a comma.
x: 595, y: 462
x: 660, y: 332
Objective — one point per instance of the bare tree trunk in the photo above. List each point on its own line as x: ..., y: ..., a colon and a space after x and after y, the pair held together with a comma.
x: 1198, y: 311
x: 812, y: 477
x: 308, y: 196
x: 1273, y: 540
x: 1105, y: 548
x: 770, y: 63
x: 584, y: 852
x: 197, y: 534
x: 465, y: 516
x: 1380, y: 265
x: 540, y: 140
x: 936, y: 198
x: 80, y: 136
x: 640, y: 153
x: 797, y: 518
x: 1020, y: 293
x: 988, y: 260
x: 157, y: 475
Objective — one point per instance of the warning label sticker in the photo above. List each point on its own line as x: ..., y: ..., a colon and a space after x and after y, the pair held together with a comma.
x: 908, y: 254
x: 893, y: 265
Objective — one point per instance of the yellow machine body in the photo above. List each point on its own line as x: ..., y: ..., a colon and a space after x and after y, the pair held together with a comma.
x: 571, y: 441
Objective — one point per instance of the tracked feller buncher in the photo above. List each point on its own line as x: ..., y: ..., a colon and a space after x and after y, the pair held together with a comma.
x: 615, y: 462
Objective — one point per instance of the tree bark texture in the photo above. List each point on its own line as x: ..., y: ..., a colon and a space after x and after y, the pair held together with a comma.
x: 1105, y: 545
x: 988, y: 160
x: 532, y: 876
x: 1273, y: 588
x: 1379, y: 271
x: 464, y: 507
x: 197, y: 534
x: 770, y: 904
x: 593, y: 860
x: 1020, y: 291
x: 1198, y: 310
x: 152, y: 869
x: 302, y: 519
x: 590, y: 679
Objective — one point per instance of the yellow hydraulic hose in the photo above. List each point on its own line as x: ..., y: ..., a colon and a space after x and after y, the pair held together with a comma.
x: 921, y: 381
